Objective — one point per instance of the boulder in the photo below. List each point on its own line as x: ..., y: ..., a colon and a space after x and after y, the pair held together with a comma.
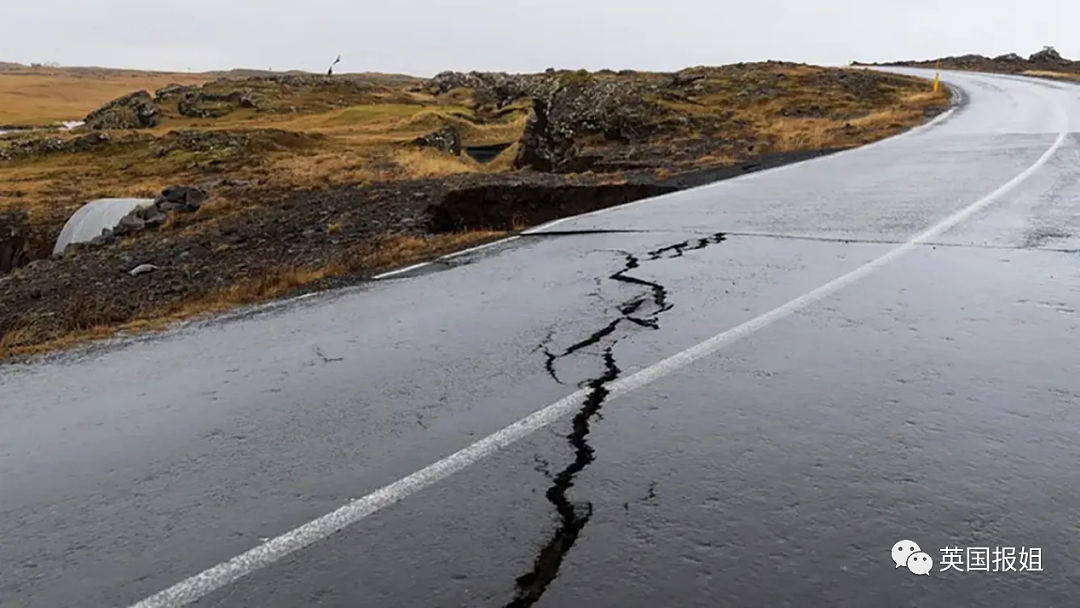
x: 1008, y: 58
x: 105, y: 238
x: 138, y: 220
x: 181, y: 198
x: 134, y: 111
x: 446, y: 139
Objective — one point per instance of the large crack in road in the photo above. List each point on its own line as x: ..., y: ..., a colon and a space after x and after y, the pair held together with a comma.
x: 657, y: 293
x: 530, y: 587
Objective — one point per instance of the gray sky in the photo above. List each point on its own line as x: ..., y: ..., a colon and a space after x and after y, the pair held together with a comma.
x: 423, y: 37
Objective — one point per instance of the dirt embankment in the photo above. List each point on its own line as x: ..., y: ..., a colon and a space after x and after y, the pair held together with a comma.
x: 311, y: 181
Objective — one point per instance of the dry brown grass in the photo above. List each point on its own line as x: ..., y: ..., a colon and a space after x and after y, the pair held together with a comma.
x: 329, y: 166
x: 712, y: 160
x: 504, y: 161
x: 51, y: 188
x: 1051, y: 75
x: 89, y: 321
x: 41, y: 99
x: 783, y: 109
x: 790, y: 134
x: 430, y: 163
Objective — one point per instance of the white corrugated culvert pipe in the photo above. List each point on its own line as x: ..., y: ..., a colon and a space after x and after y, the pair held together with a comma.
x: 95, y: 216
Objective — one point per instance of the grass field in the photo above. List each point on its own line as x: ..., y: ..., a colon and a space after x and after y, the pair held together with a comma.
x: 34, y: 97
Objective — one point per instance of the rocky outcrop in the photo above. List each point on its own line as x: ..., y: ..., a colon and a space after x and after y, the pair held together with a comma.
x: 685, y: 78
x: 344, y: 83
x: 1009, y: 63
x: 200, y: 104
x: 201, y: 141
x: 1048, y: 54
x: 496, y: 88
x: 446, y: 139
x: 612, y: 109
x: 194, y: 102
x: 222, y: 141
x: 174, y: 91
x: 8, y: 129
x: 267, y: 93
x: 444, y: 82
x: 135, y: 111
x: 54, y: 145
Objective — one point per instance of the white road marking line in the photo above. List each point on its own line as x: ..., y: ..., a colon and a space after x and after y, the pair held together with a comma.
x: 449, y: 256
x: 386, y: 275
x: 225, y: 573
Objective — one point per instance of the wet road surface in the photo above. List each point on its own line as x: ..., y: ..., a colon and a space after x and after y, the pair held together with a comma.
x: 929, y: 395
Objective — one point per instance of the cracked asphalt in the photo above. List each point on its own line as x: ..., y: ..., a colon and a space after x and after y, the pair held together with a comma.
x: 931, y: 398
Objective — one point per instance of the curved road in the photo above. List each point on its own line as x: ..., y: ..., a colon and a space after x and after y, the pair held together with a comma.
x: 742, y: 395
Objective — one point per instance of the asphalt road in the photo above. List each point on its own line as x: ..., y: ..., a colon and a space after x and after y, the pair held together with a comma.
x: 883, y: 346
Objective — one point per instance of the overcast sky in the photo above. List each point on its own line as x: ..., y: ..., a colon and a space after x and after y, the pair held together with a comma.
x: 423, y: 37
